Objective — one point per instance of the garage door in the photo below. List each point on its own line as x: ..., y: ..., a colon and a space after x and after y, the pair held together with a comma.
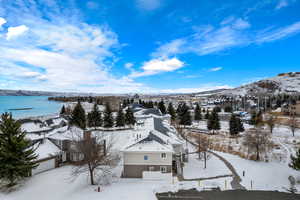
x: 44, y: 166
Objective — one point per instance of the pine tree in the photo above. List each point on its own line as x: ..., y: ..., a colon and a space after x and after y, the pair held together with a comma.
x: 217, y: 109
x: 94, y: 118
x: 120, y: 119
x: 228, y: 109
x: 295, y: 161
x: 162, y: 107
x: 197, y: 113
x: 206, y: 114
x: 129, y: 117
x: 171, y: 111
x: 184, y: 115
x: 233, y: 125
x: 78, y: 117
x: 213, y: 122
x: 63, y: 110
x: 108, y: 119
x: 17, y: 157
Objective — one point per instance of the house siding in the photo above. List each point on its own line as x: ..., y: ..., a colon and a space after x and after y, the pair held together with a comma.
x: 154, y: 158
x: 136, y: 171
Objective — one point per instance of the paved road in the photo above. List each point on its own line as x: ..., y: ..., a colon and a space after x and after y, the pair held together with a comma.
x: 227, y: 195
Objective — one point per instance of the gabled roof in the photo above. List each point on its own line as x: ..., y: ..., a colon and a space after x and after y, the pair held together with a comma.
x: 159, y: 126
x: 153, y: 111
x: 151, y: 146
x: 150, y: 143
x: 45, y: 149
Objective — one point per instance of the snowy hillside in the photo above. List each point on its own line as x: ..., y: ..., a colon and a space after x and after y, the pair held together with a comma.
x: 282, y: 83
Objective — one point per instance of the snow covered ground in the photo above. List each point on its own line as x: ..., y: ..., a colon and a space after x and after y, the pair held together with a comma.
x: 195, y: 167
x: 265, y: 175
x: 56, y: 184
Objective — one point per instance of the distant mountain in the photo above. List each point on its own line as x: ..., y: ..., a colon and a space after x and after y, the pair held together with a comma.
x: 282, y: 83
x: 41, y: 93
x: 210, y: 92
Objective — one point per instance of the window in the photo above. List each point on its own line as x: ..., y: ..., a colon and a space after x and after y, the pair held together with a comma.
x: 145, y: 157
x: 163, y: 169
x: 151, y: 168
x: 163, y: 155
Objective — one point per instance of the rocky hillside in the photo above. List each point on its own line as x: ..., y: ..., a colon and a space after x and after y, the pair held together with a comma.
x: 282, y: 83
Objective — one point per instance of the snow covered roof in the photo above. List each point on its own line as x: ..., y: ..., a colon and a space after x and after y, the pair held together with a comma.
x: 66, y: 134
x: 149, y: 146
x: 45, y: 149
x: 34, y: 127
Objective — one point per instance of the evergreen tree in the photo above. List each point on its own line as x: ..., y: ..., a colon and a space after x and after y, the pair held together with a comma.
x: 186, y: 119
x: 228, y: 109
x: 217, y: 109
x: 120, y: 119
x: 78, y: 116
x: 197, y: 113
x: 184, y: 115
x: 213, y: 122
x: 17, y: 157
x: 162, y: 107
x: 206, y: 114
x: 124, y: 103
x: 129, y: 117
x: 171, y: 111
x: 94, y: 118
x: 108, y: 120
x: 295, y: 161
x: 240, y: 124
x: 233, y: 125
x: 63, y: 110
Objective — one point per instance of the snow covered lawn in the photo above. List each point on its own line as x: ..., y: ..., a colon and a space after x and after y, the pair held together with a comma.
x: 265, y: 176
x: 195, y: 167
x: 56, y: 185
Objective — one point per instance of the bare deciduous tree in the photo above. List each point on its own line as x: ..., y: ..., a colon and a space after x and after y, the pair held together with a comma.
x: 202, y: 143
x: 271, y: 122
x: 95, y: 155
x: 258, y: 140
x: 293, y: 124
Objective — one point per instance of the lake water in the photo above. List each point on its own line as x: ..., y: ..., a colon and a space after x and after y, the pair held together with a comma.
x: 39, y: 104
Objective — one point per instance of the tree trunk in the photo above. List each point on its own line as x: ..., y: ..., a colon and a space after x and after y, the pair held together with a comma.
x: 257, y: 153
x: 204, y: 159
x: 92, y: 177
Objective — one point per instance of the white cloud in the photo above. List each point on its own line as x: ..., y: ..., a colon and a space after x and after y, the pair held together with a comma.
x: 2, y: 21
x: 232, y: 33
x: 241, y: 24
x: 156, y: 66
x: 279, y: 33
x: 281, y: 4
x: 148, y: 5
x: 168, y: 49
x: 215, y: 69
x: 129, y: 65
x: 62, y: 56
x: 13, y: 32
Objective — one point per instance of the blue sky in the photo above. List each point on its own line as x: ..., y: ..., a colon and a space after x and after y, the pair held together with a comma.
x: 145, y: 46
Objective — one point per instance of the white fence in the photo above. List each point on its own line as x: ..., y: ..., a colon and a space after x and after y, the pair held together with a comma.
x: 156, y: 175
